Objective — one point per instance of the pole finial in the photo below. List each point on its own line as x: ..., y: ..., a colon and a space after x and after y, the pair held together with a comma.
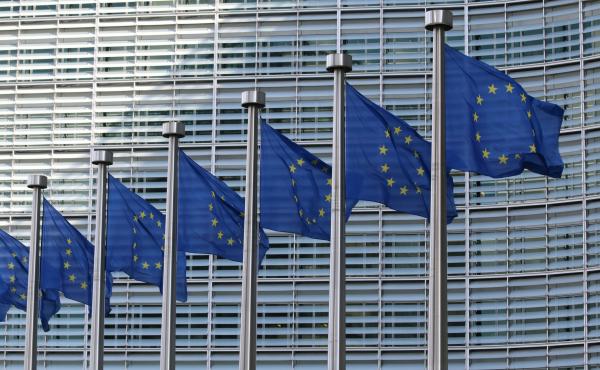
x: 253, y: 97
x: 335, y: 61
x: 102, y: 157
x: 37, y: 181
x: 438, y: 18
x: 173, y: 129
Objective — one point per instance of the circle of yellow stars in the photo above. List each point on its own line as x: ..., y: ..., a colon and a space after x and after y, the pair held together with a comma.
x: 385, y: 167
x: 142, y: 218
x: 304, y: 216
x: 12, y: 278
x: 214, y: 222
x: 509, y: 88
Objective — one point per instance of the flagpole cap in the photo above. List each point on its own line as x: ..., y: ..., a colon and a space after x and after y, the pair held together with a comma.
x: 339, y: 61
x: 37, y: 182
x: 102, y: 157
x: 438, y: 18
x: 173, y: 129
x: 253, y: 97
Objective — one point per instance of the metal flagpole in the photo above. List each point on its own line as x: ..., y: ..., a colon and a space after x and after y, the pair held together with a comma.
x: 174, y: 131
x: 438, y: 21
x: 339, y: 64
x: 102, y: 158
x: 254, y: 101
x: 36, y: 183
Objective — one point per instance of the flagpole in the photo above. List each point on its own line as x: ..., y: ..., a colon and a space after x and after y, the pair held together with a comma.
x: 102, y: 158
x: 254, y: 101
x: 438, y: 21
x: 173, y: 131
x: 36, y: 183
x: 339, y: 64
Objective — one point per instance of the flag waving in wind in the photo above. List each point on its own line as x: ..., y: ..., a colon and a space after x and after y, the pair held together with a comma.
x: 295, y: 188
x: 492, y: 126
x: 135, y: 239
x: 211, y: 214
x: 67, y: 265
x: 387, y: 161
x: 13, y: 272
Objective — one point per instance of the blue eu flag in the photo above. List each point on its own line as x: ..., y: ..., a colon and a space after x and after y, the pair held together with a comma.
x: 295, y: 187
x: 135, y: 238
x: 13, y: 272
x: 492, y: 126
x: 67, y: 264
x: 3, y: 311
x: 211, y: 214
x: 388, y: 162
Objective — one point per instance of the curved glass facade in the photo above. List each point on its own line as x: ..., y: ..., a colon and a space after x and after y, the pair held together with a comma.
x: 524, y: 253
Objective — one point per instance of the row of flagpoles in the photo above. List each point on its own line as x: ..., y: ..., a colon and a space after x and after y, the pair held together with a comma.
x: 296, y: 195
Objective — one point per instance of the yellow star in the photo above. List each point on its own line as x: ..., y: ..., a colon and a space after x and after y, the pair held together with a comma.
x: 509, y: 88
x: 12, y: 278
x: 329, y: 182
x: 293, y: 182
x: 324, y: 169
x: 321, y: 212
x: 83, y: 285
x: 517, y: 156
x: 416, y: 154
x: 475, y: 117
x: 385, y: 168
x: 292, y: 168
x: 143, y: 214
x: 158, y: 265
x: 68, y: 252
x: 134, y: 230
x: 397, y: 130
x: 13, y: 290
x: 532, y: 148
x: 383, y: 150
x: 145, y: 265
x: 486, y: 153
x: 387, y: 133
x: 69, y: 241
x: 404, y: 190
x: 220, y: 234
x: 24, y: 259
x: 479, y: 100
x: 314, y: 162
x: 136, y: 258
x: 523, y: 98
x: 151, y: 216
x: 215, y: 222
x: 421, y: 171
x: 210, y: 207
x: 492, y: 89
x: 134, y: 245
x: 135, y: 218
x: 296, y: 198
x: 300, y: 162
x: 72, y: 278
x: 418, y: 190
x: 158, y: 223
x: 307, y: 221
x: 230, y: 241
x: 23, y: 296
x: 14, y: 254
x: 529, y: 114
x: 66, y: 265
x: 11, y: 266
x: 503, y: 159
x: 477, y: 137
x: 213, y: 194
x: 328, y: 197
x: 390, y: 182
x: 301, y: 212
x: 407, y: 139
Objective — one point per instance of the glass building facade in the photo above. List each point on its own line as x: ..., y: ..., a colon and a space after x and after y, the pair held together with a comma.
x: 524, y: 253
